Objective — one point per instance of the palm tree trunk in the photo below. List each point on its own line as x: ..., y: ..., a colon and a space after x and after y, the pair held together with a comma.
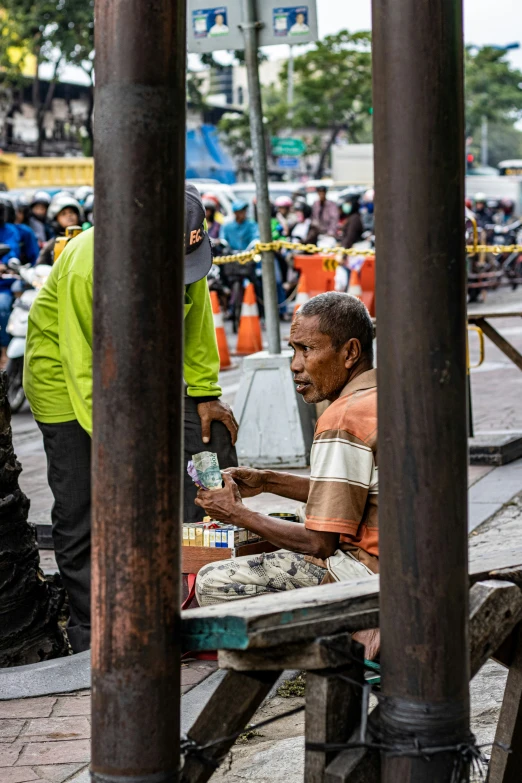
x: 29, y: 605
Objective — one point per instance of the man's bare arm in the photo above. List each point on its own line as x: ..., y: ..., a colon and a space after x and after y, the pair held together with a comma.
x: 226, y: 505
x: 252, y: 482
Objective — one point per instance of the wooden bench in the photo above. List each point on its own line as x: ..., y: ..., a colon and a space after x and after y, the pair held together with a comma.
x: 310, y: 629
x: 481, y: 319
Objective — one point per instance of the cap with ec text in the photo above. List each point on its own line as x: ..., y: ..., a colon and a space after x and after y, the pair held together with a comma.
x: 198, y: 250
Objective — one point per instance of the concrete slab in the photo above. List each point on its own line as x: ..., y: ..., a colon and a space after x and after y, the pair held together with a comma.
x: 495, y: 448
x: 62, y: 675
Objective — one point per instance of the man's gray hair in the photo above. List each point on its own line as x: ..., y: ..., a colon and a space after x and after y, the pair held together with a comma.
x: 342, y: 317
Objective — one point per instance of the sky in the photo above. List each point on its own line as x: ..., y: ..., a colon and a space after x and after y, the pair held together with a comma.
x: 496, y: 22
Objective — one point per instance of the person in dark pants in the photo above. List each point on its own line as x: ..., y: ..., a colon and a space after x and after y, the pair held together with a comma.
x: 58, y: 385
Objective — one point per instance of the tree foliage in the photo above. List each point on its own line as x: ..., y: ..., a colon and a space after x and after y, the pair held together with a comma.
x: 493, y: 88
x: 51, y: 31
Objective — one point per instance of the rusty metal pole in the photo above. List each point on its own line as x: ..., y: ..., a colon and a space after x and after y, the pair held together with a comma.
x: 138, y: 359
x: 421, y: 315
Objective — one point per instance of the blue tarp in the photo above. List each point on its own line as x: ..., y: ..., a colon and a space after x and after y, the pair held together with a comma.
x: 206, y: 158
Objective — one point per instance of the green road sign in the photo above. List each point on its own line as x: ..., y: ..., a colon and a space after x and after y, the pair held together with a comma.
x: 282, y: 147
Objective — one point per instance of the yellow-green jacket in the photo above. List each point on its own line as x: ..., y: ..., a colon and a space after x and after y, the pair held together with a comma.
x: 58, y: 357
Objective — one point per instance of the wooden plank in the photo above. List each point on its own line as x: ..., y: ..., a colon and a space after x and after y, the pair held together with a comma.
x: 228, y: 711
x: 495, y: 609
x: 325, y: 653
x: 268, y: 620
x: 509, y: 350
x: 507, y: 767
x: 479, y: 315
x: 355, y: 766
x: 333, y: 713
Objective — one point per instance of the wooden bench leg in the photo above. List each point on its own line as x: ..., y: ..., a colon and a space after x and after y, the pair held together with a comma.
x: 495, y: 608
x: 228, y: 711
x: 507, y: 767
x: 333, y: 713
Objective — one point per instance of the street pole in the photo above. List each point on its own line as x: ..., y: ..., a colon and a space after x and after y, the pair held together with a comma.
x: 257, y: 132
x: 484, y: 142
x: 421, y: 317
x: 138, y: 360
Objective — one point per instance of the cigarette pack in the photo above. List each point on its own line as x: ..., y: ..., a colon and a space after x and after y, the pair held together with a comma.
x: 206, y: 536
x: 212, y: 537
x: 192, y: 535
x: 185, y: 536
x: 199, y: 535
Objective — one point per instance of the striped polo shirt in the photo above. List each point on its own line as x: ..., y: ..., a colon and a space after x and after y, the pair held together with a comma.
x: 344, y: 477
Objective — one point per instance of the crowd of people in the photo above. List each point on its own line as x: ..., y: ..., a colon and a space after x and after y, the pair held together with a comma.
x: 491, y: 211
x: 343, y: 222
x: 29, y: 225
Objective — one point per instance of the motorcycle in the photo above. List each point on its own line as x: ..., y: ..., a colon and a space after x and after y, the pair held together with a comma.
x: 511, y: 263
x: 34, y: 277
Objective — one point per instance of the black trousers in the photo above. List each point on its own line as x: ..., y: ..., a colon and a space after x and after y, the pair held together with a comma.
x: 68, y: 450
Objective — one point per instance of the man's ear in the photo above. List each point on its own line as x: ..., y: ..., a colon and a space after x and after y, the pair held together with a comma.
x: 353, y: 352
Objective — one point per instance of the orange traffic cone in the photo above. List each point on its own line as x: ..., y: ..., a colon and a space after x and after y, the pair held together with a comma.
x: 302, y: 294
x: 368, y: 284
x: 224, y: 354
x: 354, y: 286
x: 249, y: 336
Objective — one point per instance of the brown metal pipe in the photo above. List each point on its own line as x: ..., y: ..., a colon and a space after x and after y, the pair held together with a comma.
x: 421, y: 311
x: 138, y: 350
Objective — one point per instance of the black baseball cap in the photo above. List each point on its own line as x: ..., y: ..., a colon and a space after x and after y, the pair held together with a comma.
x: 198, y: 250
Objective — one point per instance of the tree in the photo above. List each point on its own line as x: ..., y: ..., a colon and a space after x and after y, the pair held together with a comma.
x: 333, y: 88
x: 493, y: 88
x: 51, y: 31
x: 236, y: 127
x: 29, y: 605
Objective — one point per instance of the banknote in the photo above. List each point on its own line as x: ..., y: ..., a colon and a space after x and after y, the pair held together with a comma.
x: 191, y: 470
x: 207, y: 467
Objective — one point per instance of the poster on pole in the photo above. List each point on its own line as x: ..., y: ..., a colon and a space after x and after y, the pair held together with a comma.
x: 212, y: 27
x: 287, y: 24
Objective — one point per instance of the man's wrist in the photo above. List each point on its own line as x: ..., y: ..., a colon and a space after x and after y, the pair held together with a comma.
x: 200, y: 400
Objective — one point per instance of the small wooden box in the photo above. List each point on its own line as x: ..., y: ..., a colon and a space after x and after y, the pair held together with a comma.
x: 195, y: 558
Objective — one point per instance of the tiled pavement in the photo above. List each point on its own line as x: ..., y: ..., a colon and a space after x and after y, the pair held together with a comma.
x: 47, y: 740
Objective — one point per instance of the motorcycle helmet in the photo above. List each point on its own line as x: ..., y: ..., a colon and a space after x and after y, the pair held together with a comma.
x: 480, y: 198
x: 210, y: 197
x: 239, y: 205
x: 209, y: 203
x: 81, y: 193
x: 40, y: 197
x: 469, y: 203
x: 62, y: 201
x: 304, y: 208
x: 6, y: 210
x: 507, y: 206
x: 283, y: 201
x: 368, y: 196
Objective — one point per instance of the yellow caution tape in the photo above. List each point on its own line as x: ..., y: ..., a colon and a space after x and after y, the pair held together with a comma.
x: 334, y: 255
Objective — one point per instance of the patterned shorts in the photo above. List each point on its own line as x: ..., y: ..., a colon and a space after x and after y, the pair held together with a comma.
x: 252, y: 575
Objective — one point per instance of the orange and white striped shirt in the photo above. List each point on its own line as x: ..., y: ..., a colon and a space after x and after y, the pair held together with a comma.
x: 344, y: 485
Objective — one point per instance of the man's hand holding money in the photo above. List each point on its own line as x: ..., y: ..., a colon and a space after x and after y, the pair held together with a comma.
x: 222, y: 504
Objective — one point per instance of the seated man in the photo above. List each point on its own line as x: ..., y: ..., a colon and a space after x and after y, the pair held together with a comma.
x: 332, y: 340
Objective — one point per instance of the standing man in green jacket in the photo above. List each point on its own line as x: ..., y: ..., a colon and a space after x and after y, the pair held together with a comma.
x: 58, y: 385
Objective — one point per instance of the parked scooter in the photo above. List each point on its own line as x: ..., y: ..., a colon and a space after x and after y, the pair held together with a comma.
x: 34, y: 278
